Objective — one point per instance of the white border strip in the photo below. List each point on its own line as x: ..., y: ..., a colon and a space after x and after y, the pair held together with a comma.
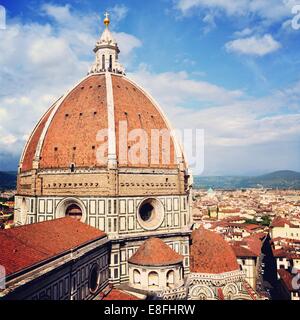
x: 33, y: 132
x: 112, y: 145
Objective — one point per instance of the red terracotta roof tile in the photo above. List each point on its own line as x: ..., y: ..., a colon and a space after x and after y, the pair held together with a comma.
x: 243, y: 252
x: 135, y: 108
x: 25, y: 246
x: 287, y: 278
x: 210, y: 253
x: 75, y: 125
x: 255, y: 242
x: 72, y: 133
x: 280, y: 253
x: 280, y: 222
x: 119, y: 295
x: 154, y: 252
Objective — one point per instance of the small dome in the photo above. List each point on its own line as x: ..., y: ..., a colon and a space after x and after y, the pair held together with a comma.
x: 154, y: 252
x: 210, y: 253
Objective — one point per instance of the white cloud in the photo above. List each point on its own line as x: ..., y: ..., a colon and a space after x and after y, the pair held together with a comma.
x: 243, y: 33
x: 178, y: 89
x: 209, y: 20
x: 236, y: 126
x: 230, y: 118
x: 61, y: 14
x: 255, y: 45
x: 127, y: 43
x: 118, y: 12
x: 39, y: 62
x: 9, y: 139
x: 268, y: 10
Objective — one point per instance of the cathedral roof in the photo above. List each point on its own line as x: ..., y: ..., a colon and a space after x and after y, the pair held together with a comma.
x: 155, y: 252
x: 94, y: 113
x: 25, y: 246
x: 67, y: 133
x: 210, y: 253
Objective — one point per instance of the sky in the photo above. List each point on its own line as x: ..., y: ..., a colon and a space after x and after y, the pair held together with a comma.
x: 229, y: 67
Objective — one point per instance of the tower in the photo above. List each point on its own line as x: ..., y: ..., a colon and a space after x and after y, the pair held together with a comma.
x: 107, y: 52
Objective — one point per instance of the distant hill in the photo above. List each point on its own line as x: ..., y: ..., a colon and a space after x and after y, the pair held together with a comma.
x: 8, y: 180
x: 280, y: 179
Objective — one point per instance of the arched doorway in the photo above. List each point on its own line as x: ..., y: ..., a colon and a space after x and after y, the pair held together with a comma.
x: 74, y: 211
x: 153, y: 280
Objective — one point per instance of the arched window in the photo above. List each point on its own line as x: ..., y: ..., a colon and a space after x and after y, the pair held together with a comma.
x: 181, y: 273
x: 94, y: 278
x: 153, y: 280
x: 136, y: 277
x: 103, y: 62
x: 74, y: 212
x: 171, y: 279
x: 23, y: 212
x: 110, y: 62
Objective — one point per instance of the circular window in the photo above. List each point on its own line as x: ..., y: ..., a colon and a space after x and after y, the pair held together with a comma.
x: 94, y: 279
x: 150, y: 214
x: 146, y: 211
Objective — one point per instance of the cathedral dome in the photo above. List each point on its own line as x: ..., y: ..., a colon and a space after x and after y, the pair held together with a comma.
x: 68, y: 133
x: 105, y: 109
x: 210, y: 253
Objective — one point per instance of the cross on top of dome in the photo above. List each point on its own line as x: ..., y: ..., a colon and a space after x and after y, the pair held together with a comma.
x: 107, y: 52
x: 106, y: 20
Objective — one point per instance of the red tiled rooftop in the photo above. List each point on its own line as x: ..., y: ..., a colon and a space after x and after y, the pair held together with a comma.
x: 281, y: 222
x: 25, y: 246
x: 280, y: 253
x: 252, y: 227
x: 119, y: 295
x: 210, y: 253
x: 241, y: 251
x: 237, y: 210
x: 286, y: 278
x: 154, y: 252
x: 255, y: 242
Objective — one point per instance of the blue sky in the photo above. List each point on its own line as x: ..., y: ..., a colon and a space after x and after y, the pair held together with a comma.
x: 228, y: 67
